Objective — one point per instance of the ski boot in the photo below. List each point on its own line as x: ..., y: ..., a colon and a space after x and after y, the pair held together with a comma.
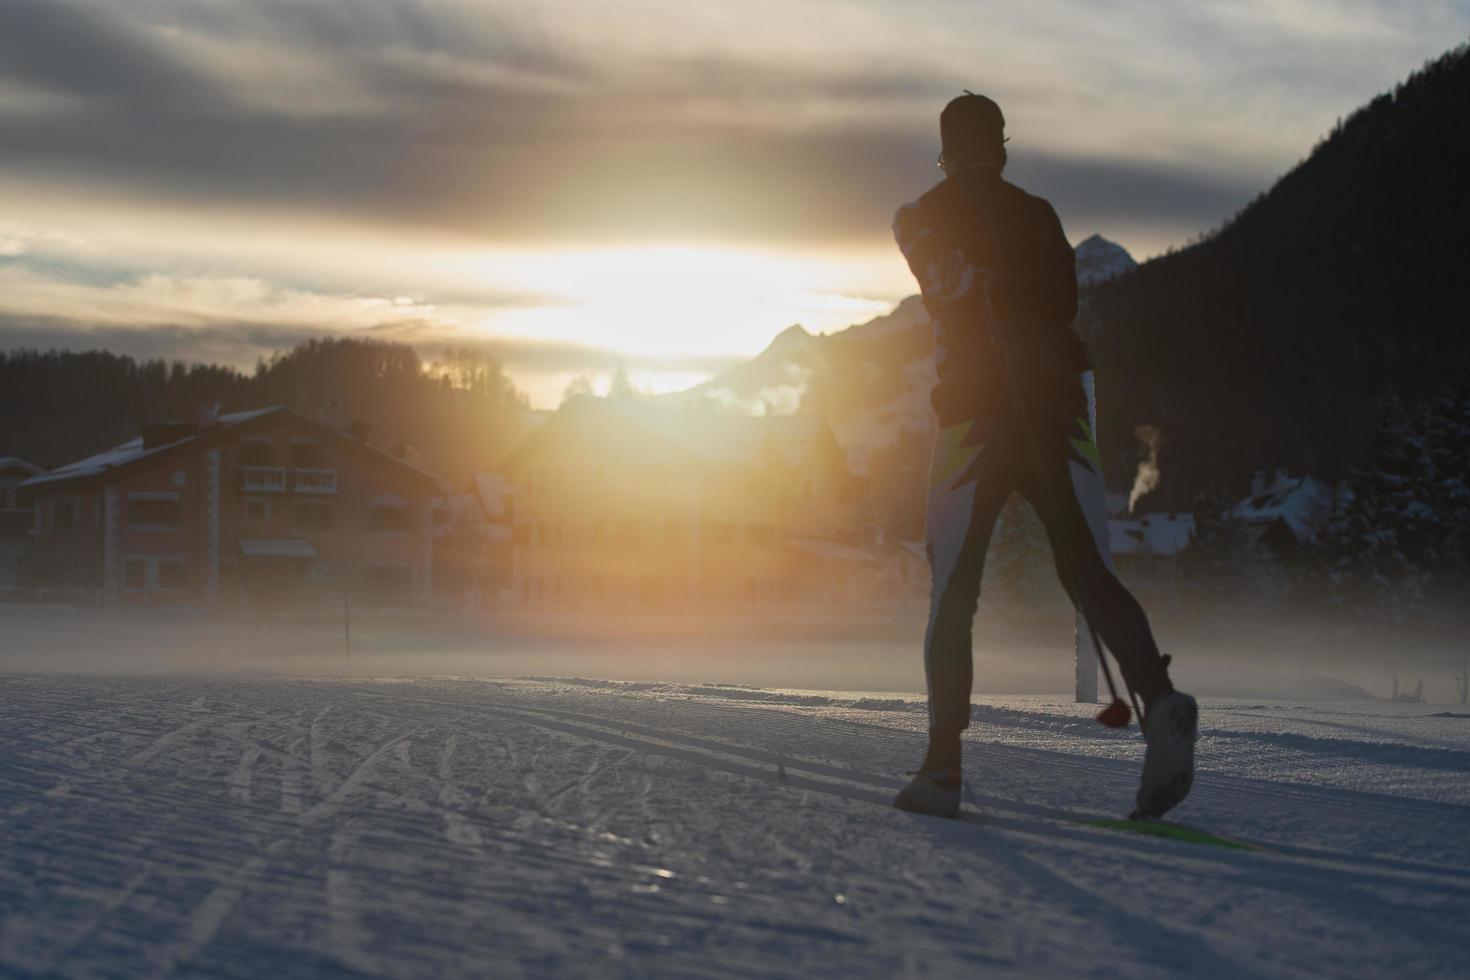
x: 935, y: 788
x: 935, y: 792
x: 1168, y: 763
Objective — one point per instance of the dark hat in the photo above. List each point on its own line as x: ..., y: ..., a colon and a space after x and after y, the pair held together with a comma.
x: 971, y: 127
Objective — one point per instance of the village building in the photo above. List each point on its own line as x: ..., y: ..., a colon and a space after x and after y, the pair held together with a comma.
x: 16, y: 520
x: 262, y: 506
x: 1146, y: 548
x: 629, y: 503
x: 1284, y: 514
x: 473, y: 557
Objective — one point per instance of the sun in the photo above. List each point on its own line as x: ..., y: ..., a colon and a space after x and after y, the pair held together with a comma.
x: 669, y: 303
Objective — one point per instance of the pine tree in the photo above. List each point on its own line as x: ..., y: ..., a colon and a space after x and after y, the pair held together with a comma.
x: 1448, y: 444
x: 1384, y: 548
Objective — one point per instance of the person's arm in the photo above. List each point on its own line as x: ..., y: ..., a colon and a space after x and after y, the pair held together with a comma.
x: 946, y: 279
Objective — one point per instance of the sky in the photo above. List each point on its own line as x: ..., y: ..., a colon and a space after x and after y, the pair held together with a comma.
x: 577, y: 186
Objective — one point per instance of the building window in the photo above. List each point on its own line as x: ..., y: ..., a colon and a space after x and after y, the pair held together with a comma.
x: 135, y: 575
x: 64, y: 514
x: 630, y: 533
x: 721, y: 532
x: 154, y: 511
x: 673, y: 531
x: 387, y: 518
x: 759, y: 535
x: 306, y: 454
x: 312, y: 516
x: 172, y: 576
x: 257, y: 510
x: 257, y: 452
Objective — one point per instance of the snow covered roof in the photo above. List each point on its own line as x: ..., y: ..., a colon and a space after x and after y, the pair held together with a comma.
x: 829, y: 550
x: 276, y: 548
x: 1304, y: 504
x: 134, y: 450
x: 1161, y: 534
x: 16, y: 463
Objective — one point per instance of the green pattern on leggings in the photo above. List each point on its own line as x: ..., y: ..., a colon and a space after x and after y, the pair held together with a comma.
x: 1087, y: 446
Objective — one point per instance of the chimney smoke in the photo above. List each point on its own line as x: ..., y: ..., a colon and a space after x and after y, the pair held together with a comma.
x: 1147, y: 477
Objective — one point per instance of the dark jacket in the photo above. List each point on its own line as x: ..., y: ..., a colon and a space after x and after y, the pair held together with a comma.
x: 991, y: 260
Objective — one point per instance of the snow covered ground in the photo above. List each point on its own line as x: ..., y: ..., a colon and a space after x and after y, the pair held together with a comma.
x: 285, y: 827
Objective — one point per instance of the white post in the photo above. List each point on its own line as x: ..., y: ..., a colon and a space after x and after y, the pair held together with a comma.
x: 1095, y: 508
x: 1086, y: 663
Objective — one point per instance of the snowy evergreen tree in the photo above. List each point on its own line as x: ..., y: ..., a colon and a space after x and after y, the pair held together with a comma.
x: 1226, y: 561
x: 1448, y: 443
x: 1384, y: 549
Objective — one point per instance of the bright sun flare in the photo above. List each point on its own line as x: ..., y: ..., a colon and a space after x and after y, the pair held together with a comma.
x: 670, y: 301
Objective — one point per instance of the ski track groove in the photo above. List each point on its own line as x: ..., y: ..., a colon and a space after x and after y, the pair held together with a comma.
x: 380, y: 783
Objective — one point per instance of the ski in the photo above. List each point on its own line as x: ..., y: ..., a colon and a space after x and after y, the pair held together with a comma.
x: 1170, y: 831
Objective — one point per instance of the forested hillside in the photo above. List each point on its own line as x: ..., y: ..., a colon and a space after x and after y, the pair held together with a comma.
x: 1269, y: 342
x: 458, y: 415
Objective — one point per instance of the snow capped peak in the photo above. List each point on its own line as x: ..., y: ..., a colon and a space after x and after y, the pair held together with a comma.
x: 1099, y: 259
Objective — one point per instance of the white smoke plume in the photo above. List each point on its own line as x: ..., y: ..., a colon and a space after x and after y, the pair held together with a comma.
x: 1147, y: 477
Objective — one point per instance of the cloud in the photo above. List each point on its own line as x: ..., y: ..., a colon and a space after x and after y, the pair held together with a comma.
x: 249, y: 173
x: 548, y: 124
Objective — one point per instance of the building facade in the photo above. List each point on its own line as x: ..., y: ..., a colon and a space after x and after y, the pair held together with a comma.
x: 258, y: 506
x: 636, y: 505
x: 16, y: 521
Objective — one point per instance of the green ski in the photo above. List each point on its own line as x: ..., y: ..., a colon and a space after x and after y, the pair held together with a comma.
x: 1171, y: 831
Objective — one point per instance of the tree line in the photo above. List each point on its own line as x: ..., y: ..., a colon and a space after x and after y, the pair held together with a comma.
x: 456, y: 415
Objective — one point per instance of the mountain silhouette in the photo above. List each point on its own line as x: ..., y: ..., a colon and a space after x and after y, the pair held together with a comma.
x: 1268, y: 342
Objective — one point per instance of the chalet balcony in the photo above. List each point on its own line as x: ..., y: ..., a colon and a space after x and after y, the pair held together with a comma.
x: 263, y: 479
x: 313, y: 480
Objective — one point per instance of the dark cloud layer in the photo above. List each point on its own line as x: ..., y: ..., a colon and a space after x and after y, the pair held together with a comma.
x: 493, y: 131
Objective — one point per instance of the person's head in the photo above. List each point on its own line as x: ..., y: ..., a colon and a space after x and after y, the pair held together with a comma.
x: 971, y: 134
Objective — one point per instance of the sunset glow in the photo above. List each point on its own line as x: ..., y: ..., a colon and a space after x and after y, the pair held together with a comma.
x: 578, y: 189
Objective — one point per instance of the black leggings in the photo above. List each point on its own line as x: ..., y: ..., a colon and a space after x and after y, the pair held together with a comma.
x: 977, y: 465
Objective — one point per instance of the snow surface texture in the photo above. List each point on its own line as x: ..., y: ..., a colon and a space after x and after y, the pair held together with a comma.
x: 254, y: 827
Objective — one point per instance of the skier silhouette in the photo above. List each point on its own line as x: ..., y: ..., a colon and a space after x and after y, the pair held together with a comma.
x: 999, y: 281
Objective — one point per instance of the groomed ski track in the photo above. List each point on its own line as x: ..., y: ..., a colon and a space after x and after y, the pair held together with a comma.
x: 246, y: 827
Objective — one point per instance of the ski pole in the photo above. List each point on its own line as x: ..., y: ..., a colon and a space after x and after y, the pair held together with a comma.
x: 1111, y: 716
